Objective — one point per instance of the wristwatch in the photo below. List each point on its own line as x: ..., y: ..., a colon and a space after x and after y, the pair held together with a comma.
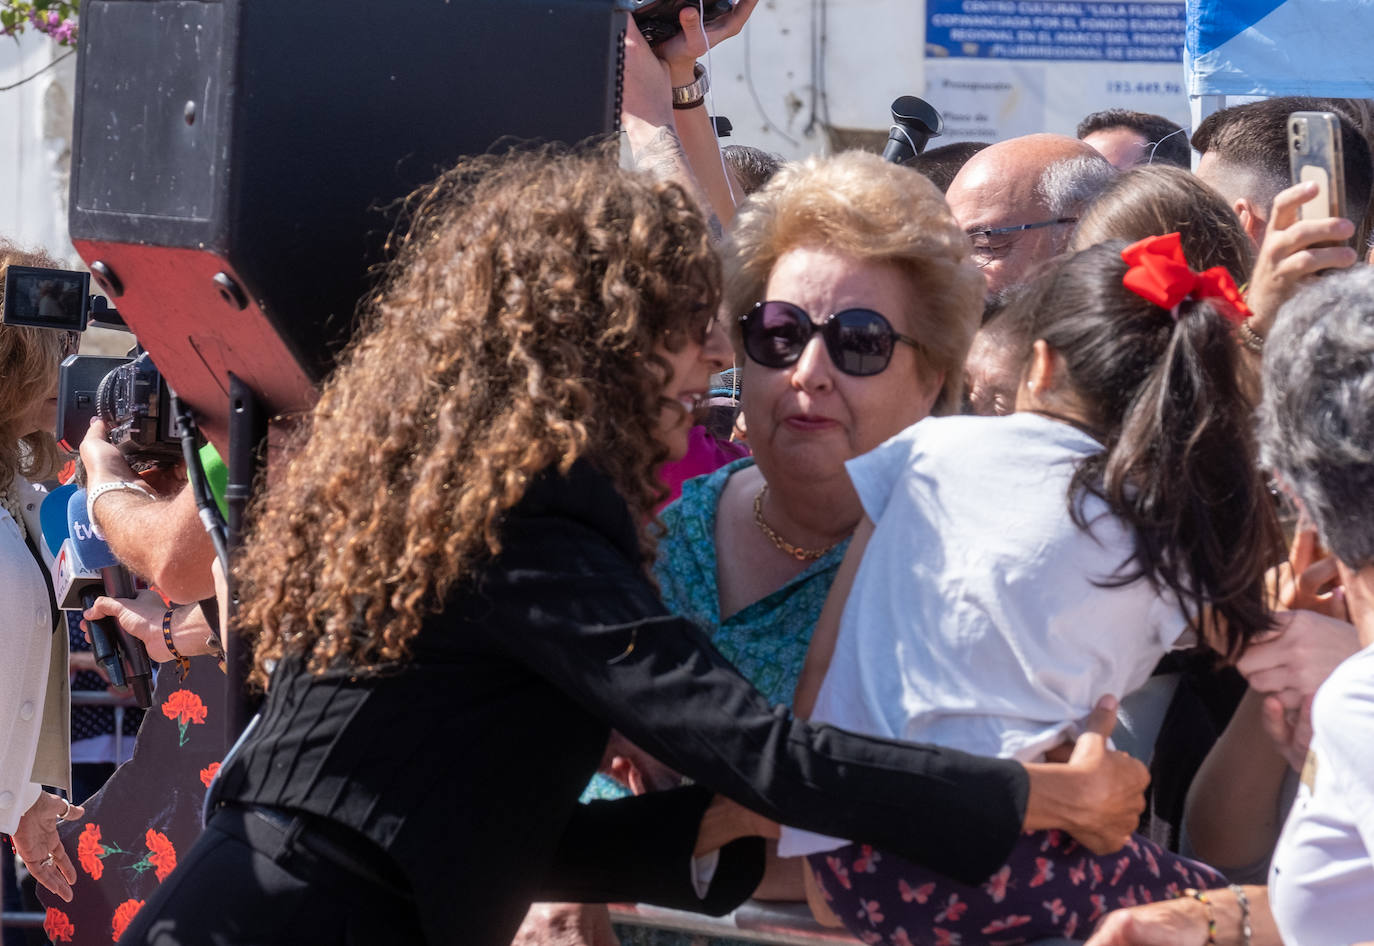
x: 694, y: 93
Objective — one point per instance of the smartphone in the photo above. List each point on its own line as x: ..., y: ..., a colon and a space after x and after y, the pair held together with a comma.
x: 1314, y: 154
x: 658, y: 19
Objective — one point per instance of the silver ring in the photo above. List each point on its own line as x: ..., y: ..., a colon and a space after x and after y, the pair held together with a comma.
x: 63, y: 817
x: 47, y: 861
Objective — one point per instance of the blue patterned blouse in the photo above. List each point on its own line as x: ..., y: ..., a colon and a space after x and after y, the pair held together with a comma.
x: 767, y: 640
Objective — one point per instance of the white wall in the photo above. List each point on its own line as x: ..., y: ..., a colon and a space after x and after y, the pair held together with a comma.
x: 35, y: 143
x: 800, y: 64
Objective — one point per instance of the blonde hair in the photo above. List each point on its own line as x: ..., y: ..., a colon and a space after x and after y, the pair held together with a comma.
x: 29, y: 362
x: 515, y: 334
x: 860, y: 205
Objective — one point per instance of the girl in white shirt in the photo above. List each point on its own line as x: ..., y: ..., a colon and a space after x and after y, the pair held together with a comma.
x: 1014, y: 569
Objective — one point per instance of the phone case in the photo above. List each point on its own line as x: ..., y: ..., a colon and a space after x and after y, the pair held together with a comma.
x: 1314, y: 154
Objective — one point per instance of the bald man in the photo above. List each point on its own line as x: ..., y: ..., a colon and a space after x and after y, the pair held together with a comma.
x: 1019, y: 199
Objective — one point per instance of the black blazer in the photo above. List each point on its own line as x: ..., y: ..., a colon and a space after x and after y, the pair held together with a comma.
x: 466, y: 762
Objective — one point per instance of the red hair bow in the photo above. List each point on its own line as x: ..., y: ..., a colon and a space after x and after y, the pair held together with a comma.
x: 1159, y: 273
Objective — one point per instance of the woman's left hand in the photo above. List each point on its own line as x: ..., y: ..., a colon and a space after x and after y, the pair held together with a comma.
x: 37, y: 843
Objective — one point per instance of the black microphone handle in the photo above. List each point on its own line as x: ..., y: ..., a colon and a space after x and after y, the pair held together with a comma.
x: 898, y: 149
x: 120, y: 584
x: 105, y: 637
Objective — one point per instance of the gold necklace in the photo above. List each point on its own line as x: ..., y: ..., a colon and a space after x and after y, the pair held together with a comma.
x: 781, y: 544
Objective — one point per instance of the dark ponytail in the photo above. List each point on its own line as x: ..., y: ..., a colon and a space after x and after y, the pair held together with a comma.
x: 1180, y: 463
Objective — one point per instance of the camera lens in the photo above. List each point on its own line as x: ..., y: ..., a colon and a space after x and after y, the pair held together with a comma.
x: 108, y: 397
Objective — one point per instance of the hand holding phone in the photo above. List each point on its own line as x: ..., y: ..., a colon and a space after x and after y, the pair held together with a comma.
x: 1307, y: 230
x: 1315, y: 156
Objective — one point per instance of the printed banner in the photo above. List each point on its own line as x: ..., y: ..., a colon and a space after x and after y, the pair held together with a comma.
x: 1063, y: 31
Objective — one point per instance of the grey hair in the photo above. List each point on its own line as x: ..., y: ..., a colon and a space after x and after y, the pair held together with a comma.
x: 1316, y: 418
x: 1069, y: 185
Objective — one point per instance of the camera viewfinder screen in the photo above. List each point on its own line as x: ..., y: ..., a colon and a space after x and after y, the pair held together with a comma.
x: 46, y: 298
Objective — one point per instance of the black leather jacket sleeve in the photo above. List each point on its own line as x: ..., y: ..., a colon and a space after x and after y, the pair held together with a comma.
x: 576, y: 611
x: 640, y: 849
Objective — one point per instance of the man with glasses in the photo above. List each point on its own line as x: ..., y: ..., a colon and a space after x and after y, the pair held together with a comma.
x: 1018, y: 200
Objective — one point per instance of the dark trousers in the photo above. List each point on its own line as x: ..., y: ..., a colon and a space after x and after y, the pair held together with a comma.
x: 252, y: 879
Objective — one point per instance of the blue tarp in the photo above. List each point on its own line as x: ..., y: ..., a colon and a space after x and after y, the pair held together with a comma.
x: 1272, y: 47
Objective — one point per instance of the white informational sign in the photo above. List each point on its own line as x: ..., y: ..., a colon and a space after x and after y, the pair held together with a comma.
x: 990, y: 100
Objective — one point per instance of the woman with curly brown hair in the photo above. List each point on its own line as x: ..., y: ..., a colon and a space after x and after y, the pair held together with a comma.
x: 448, y: 590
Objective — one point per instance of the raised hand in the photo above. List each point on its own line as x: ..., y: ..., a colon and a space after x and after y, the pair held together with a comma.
x: 1290, y: 253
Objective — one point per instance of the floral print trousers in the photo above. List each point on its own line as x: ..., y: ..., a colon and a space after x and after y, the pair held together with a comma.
x: 1050, y: 887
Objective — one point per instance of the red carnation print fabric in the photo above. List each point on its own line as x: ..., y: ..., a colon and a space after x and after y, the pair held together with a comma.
x: 207, y: 774
x: 58, y: 927
x: 123, y: 916
x: 140, y: 825
x: 90, y: 853
x: 1050, y: 888
x: 185, y: 708
x: 161, y: 856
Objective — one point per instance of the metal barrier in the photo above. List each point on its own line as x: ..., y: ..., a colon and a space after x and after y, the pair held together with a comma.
x: 781, y: 924
x: 23, y: 921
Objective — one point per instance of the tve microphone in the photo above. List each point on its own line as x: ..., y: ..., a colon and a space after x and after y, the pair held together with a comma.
x: 76, y: 589
x: 94, y: 555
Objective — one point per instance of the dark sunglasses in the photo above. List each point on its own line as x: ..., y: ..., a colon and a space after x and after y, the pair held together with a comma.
x: 859, y: 341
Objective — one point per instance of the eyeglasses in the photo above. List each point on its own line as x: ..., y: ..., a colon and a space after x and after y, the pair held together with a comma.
x: 985, y: 250
x: 859, y: 341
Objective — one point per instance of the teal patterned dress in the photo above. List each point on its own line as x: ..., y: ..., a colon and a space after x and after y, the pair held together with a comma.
x: 767, y: 640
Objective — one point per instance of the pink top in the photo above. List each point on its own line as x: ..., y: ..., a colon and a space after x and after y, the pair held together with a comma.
x: 705, y: 454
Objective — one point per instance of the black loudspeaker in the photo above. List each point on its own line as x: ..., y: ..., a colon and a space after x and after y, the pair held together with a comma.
x: 234, y: 160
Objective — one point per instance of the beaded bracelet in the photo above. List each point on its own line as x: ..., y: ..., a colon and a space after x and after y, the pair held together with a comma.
x: 1201, y: 897
x: 1249, y: 338
x: 183, y: 663
x: 1244, y: 900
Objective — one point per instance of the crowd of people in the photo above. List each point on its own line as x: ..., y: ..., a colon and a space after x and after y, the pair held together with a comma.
x: 979, y: 550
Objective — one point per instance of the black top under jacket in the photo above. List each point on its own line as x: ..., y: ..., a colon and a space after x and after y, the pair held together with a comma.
x: 466, y: 762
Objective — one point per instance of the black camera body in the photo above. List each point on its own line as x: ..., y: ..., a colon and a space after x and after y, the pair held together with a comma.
x: 658, y: 19
x: 129, y: 395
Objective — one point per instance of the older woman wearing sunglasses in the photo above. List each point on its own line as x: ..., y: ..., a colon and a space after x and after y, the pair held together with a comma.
x: 852, y: 300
